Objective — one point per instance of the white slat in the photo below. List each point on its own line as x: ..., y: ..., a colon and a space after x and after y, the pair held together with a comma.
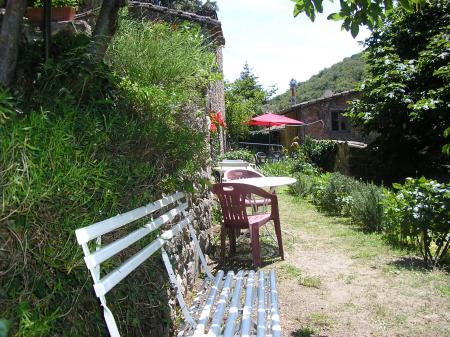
x: 93, y: 231
x: 204, y: 316
x: 261, y: 317
x: 115, y: 247
x: 247, y: 312
x: 221, y: 305
x: 234, y: 307
x: 109, y: 281
x: 275, y: 315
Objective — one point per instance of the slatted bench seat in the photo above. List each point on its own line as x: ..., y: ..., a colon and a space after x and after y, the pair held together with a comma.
x: 241, y: 304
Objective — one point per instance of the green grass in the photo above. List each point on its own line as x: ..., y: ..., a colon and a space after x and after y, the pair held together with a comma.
x: 304, y: 332
x: 368, y: 254
x: 310, y: 281
x: 290, y: 271
x: 339, y: 231
x: 320, y: 320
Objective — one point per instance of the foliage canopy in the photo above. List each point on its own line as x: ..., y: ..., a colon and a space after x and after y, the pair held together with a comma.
x: 244, y: 98
x: 355, y: 13
x: 406, y: 91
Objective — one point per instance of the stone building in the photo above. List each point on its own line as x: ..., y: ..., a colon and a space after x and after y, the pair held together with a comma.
x: 324, y: 119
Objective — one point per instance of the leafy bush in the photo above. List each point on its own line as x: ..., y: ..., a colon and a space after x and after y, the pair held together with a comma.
x: 281, y: 168
x: 419, y: 213
x: 303, y: 187
x: 407, y: 85
x: 305, y: 167
x: 319, y: 152
x: 59, y: 3
x: 366, y: 208
x: 335, y: 196
x: 162, y: 56
x: 238, y: 154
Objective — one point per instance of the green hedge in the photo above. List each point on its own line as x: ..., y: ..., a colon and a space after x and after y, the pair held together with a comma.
x: 417, y: 214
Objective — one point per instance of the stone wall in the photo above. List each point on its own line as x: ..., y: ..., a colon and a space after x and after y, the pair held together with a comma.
x: 181, y: 249
x: 216, y: 97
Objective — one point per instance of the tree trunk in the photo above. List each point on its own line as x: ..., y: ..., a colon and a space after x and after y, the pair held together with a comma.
x: 10, y: 39
x: 105, y: 26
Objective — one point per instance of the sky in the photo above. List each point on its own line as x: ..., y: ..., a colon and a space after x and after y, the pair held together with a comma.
x: 279, y: 47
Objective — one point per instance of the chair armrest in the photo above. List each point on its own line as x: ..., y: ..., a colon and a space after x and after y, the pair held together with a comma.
x: 264, y: 194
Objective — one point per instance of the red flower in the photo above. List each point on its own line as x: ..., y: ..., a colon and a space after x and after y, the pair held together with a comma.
x: 216, y: 121
x: 213, y: 128
x: 220, y: 119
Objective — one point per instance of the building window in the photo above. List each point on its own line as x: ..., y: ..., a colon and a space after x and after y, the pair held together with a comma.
x: 338, y: 121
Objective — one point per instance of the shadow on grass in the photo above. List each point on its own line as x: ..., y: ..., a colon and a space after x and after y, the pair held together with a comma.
x: 413, y: 263
x: 242, y: 259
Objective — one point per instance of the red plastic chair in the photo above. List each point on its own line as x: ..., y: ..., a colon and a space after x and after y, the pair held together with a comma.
x: 233, y: 174
x: 242, y: 174
x: 232, y: 199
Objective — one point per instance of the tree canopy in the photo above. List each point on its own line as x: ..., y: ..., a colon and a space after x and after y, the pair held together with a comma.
x: 355, y: 13
x: 406, y: 91
x: 244, y: 98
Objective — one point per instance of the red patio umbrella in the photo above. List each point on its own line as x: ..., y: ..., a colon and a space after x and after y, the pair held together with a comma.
x: 270, y: 119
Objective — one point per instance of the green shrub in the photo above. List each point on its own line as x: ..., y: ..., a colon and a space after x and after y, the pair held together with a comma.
x: 281, y: 168
x: 419, y: 213
x: 319, y: 152
x: 335, y: 196
x: 305, y: 167
x: 162, y: 56
x: 238, y: 154
x: 303, y: 186
x: 59, y: 3
x: 366, y: 208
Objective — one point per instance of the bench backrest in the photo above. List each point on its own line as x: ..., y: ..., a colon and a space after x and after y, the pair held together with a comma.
x: 175, y: 207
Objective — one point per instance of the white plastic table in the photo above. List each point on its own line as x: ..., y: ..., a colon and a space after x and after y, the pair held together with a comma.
x: 270, y: 182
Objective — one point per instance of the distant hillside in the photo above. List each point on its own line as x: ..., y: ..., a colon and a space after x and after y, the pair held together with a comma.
x: 339, y: 77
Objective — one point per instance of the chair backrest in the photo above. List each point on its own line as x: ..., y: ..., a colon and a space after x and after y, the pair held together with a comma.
x: 233, y: 174
x: 232, y: 198
x: 175, y: 208
x: 277, y: 155
x: 260, y: 157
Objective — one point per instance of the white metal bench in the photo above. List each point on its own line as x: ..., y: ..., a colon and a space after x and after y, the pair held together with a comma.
x: 242, y: 304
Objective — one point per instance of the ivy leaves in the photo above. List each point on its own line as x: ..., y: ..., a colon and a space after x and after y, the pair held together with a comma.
x: 356, y: 13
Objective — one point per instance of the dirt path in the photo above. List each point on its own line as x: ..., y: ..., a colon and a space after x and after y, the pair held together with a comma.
x: 337, y: 281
